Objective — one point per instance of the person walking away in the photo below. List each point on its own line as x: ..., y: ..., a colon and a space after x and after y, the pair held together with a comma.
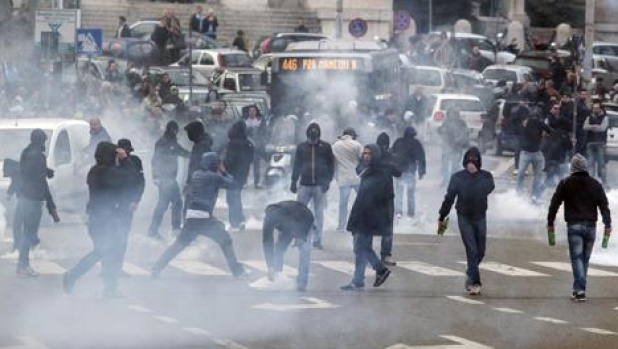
x: 202, y: 196
x: 164, y: 175
x: 347, y: 152
x: 314, y: 164
x: 238, y: 158
x: 582, y: 195
x: 33, y: 190
x: 123, y: 28
x: 596, y: 126
x: 530, y: 139
x: 455, y: 140
x: 294, y: 221
x: 471, y: 187
x: 107, y: 185
x: 370, y: 217
x: 240, y: 41
x: 409, y: 155
x: 388, y: 164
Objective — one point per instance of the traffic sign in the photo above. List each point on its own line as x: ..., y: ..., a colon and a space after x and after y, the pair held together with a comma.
x: 357, y: 27
x: 401, y: 20
x: 89, y: 41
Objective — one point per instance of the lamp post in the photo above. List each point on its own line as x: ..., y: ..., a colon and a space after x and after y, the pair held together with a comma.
x: 430, y: 16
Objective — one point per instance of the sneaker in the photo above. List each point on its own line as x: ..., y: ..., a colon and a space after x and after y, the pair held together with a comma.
x: 388, y: 260
x: 578, y: 296
x: 398, y: 215
x: 381, y: 277
x: 318, y: 245
x: 243, y: 273
x: 468, y: 284
x: 27, y: 271
x: 475, y: 290
x: 67, y: 283
x: 352, y: 287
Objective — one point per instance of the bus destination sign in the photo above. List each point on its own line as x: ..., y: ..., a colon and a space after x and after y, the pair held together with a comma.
x: 319, y: 63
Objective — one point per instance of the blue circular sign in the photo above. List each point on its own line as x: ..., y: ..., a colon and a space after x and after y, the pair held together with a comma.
x: 357, y: 27
x: 401, y: 20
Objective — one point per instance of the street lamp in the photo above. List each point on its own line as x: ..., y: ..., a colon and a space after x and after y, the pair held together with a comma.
x: 430, y: 16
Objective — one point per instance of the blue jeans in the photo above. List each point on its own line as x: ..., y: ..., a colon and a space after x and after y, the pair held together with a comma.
x: 474, y: 235
x: 234, y: 203
x: 304, y: 257
x: 344, y: 197
x: 581, y: 241
x: 314, y: 193
x: 363, y: 254
x: 451, y: 162
x: 30, y: 212
x: 169, y: 193
x: 595, y: 152
x: 537, y: 161
x: 406, y: 181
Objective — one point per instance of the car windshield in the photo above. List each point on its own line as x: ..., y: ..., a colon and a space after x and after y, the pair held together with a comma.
x: 237, y: 60
x: 500, y: 74
x: 462, y: 105
x: 535, y: 63
x: 605, y: 50
x: 15, y: 140
x: 180, y: 77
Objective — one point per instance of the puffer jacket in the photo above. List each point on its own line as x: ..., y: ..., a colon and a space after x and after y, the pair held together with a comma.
x: 205, y: 184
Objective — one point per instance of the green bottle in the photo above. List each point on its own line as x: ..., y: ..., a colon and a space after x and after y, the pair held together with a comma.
x: 605, y: 240
x: 551, y: 237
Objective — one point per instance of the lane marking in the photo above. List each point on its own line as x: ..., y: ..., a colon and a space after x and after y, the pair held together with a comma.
x: 197, y: 268
x: 27, y: 343
x: 562, y: 266
x: 314, y: 303
x: 261, y: 266
x: 506, y: 269
x: 133, y: 269
x: 465, y: 300
x: 138, y: 308
x: 166, y: 319
x: 343, y: 267
x: 551, y: 320
x: 509, y: 310
x: 45, y: 267
x: 197, y: 331
x: 228, y: 343
x: 462, y: 343
x: 428, y: 269
x: 599, y: 331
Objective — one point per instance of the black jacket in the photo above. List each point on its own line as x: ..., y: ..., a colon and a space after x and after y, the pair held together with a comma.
x: 159, y: 36
x: 454, y: 132
x: 582, y: 195
x: 371, y: 213
x: 239, y: 154
x: 557, y: 146
x: 408, y: 153
x: 165, y: 158
x: 471, y: 190
x: 314, y: 163
x: 293, y: 220
x: 135, y: 189
x: 202, y: 143
x: 124, y: 30
x: 33, y: 170
x: 532, y: 134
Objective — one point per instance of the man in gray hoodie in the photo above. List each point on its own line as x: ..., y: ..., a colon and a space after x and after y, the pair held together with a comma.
x: 347, y: 152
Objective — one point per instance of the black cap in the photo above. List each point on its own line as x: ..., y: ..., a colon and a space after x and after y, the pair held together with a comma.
x: 125, y: 144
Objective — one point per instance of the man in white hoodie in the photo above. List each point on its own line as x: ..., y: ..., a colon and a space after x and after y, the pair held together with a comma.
x: 347, y: 152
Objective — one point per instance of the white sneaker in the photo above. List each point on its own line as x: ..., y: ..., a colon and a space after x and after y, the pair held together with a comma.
x: 475, y: 290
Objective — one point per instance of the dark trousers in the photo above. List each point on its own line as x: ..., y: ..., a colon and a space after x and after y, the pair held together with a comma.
x: 234, y: 203
x: 30, y: 212
x: 386, y: 245
x: 211, y: 228
x: 363, y: 254
x: 107, y: 238
x: 257, y: 159
x: 474, y: 235
x: 169, y: 194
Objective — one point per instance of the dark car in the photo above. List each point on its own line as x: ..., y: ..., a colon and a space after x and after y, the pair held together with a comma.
x: 280, y: 41
x: 138, y: 51
x: 540, y: 61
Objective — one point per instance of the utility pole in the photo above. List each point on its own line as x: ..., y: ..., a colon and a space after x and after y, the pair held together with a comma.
x: 339, y: 20
x: 589, y: 38
x: 430, y: 16
x: 190, y: 43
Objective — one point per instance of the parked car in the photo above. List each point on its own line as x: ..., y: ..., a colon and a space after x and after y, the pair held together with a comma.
x: 239, y: 80
x: 138, y: 51
x: 203, y: 89
x: 432, y: 79
x: 511, y: 74
x: 606, y: 50
x: 279, y: 42
x: 471, y: 109
x: 540, y: 61
x: 611, y: 109
x: 206, y: 61
x: 464, y: 42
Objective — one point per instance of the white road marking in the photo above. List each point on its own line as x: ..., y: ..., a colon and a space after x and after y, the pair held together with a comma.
x: 465, y: 300
x: 314, y: 303
x: 197, y: 268
x: 462, y: 343
x: 503, y: 168
x: 562, y: 266
x: 506, y: 269
x: 599, y: 331
x: 133, y: 269
x: 166, y: 319
x: 27, y: 343
x: 138, y: 308
x: 343, y: 267
x: 228, y: 343
x: 551, y: 320
x: 428, y: 269
x: 509, y: 310
x: 197, y: 331
x: 261, y: 266
x: 46, y: 267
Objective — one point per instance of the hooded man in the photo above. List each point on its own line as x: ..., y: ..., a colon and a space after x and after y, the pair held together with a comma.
x: 314, y: 164
x: 370, y: 216
x: 471, y: 186
x: 582, y: 196
x: 238, y: 159
x: 347, y: 152
x: 202, y: 143
x: 409, y: 155
x: 108, y: 184
x: 293, y: 220
x: 32, y: 191
x: 202, y: 196
x: 164, y: 172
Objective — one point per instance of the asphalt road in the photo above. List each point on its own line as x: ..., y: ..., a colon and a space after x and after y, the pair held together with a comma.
x: 197, y: 303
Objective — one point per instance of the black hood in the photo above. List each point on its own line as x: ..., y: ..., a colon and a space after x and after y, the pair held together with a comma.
x: 384, y: 141
x: 409, y: 133
x: 38, y: 137
x: 473, y: 155
x: 314, y: 128
x: 376, y: 154
x: 105, y: 154
x: 238, y: 130
x: 195, y: 131
x: 171, y: 130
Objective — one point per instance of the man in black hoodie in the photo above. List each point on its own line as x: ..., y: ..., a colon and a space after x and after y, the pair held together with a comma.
x: 409, y: 155
x: 530, y: 141
x: 238, y: 159
x: 314, y: 164
x: 164, y: 173
x: 202, y: 144
x: 471, y: 187
x: 32, y: 191
x: 386, y: 161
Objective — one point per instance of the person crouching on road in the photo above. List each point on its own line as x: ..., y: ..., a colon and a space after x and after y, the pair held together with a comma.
x: 582, y: 196
x: 471, y: 187
x: 201, y: 198
x: 370, y: 215
x: 294, y: 221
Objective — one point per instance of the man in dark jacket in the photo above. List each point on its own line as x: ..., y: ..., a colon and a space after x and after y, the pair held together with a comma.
x: 123, y: 28
x: 370, y: 216
x: 455, y: 140
x: 582, y: 196
x: 471, y: 187
x: 202, y: 143
x: 238, y: 158
x: 202, y: 195
x: 556, y: 152
x: 293, y: 220
x: 314, y: 164
x: 159, y: 36
x: 530, y: 141
x: 387, y: 162
x: 417, y: 104
x: 107, y: 185
x: 164, y: 173
x: 32, y: 191
x: 409, y: 155
x: 596, y: 126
